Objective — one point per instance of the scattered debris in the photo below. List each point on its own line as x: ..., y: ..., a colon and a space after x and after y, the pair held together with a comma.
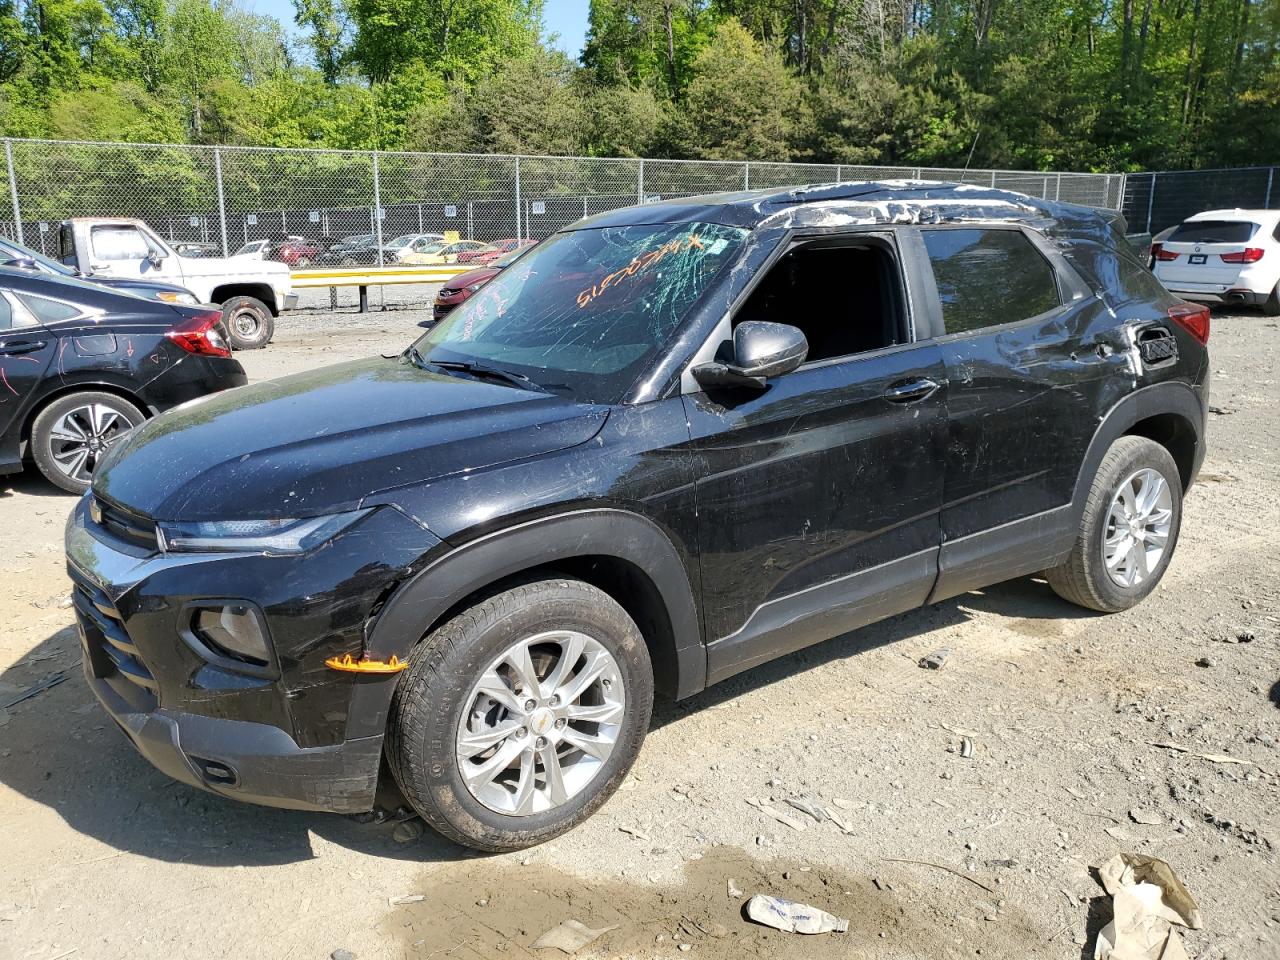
x: 966, y: 748
x: 1204, y: 662
x: 407, y: 898
x: 1238, y: 831
x: 638, y: 834
x: 407, y: 831
x: 808, y: 807
x: 936, y: 660
x: 1212, y: 757
x: 732, y: 889
x: 570, y: 936
x: 791, y: 917
x: 342, y: 953
x: 939, y: 866
x: 843, y: 804
x: 778, y: 815
x: 1220, y: 411
x: 1148, y: 897
x: 48, y: 682
x: 1148, y: 817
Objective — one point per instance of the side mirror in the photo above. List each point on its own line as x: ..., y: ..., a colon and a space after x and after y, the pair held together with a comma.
x: 22, y: 263
x: 155, y: 258
x: 760, y: 350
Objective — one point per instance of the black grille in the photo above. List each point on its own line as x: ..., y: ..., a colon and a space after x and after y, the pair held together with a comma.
x: 448, y: 291
x: 107, y: 643
x: 124, y: 523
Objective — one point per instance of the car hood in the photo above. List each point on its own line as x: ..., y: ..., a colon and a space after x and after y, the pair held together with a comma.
x: 478, y: 275
x: 219, y: 266
x: 321, y: 441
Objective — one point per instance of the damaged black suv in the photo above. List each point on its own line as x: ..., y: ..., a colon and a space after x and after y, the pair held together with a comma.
x: 671, y: 443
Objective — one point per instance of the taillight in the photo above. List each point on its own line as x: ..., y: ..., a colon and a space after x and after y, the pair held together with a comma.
x: 1160, y: 253
x: 198, y: 333
x: 1193, y: 318
x: 1247, y: 255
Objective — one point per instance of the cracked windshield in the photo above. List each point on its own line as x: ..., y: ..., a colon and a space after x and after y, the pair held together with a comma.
x: 586, y: 311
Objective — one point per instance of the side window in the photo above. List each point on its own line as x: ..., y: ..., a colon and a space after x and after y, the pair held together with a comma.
x: 989, y: 277
x: 118, y: 243
x: 6, y: 314
x: 49, y: 311
x: 846, y: 299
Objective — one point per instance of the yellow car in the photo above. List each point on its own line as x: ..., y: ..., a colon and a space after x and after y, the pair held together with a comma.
x: 441, y: 251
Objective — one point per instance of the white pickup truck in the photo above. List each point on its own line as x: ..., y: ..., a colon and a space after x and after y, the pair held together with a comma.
x: 252, y: 293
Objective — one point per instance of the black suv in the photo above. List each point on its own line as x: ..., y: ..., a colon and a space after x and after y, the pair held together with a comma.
x: 671, y: 443
x: 81, y: 365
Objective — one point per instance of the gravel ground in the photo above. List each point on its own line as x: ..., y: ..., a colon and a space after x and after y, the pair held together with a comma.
x: 945, y: 856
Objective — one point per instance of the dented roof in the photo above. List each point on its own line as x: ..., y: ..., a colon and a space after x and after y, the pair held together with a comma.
x: 868, y: 202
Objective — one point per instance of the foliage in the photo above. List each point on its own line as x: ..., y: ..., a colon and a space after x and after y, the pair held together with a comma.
x: 1033, y: 84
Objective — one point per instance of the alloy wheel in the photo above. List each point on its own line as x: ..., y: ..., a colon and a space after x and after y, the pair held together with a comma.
x: 1137, y: 529
x: 82, y: 435
x: 540, y: 723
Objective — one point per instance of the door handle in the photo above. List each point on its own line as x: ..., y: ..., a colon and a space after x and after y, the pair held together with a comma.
x: 16, y: 347
x: 909, y: 391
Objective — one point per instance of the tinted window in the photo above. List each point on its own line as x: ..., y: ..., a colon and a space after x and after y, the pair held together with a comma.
x: 49, y: 311
x: 989, y: 277
x: 1214, y: 231
x: 6, y: 314
x: 119, y: 243
x: 585, y: 312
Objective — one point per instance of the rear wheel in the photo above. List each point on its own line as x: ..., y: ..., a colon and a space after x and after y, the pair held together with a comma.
x: 1128, y: 531
x: 1271, y: 307
x: 250, y: 325
x: 520, y: 716
x: 71, y: 435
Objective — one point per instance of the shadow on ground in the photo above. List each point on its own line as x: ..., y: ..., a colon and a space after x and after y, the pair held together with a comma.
x: 59, y: 748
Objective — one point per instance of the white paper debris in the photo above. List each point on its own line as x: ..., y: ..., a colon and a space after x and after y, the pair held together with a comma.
x: 791, y: 917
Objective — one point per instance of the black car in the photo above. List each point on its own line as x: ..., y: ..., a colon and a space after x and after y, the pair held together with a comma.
x: 82, y: 365
x: 671, y: 443
x: 16, y: 255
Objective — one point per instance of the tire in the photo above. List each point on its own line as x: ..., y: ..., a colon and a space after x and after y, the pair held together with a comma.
x: 250, y: 325
x: 1271, y: 307
x: 1083, y: 578
x: 70, y: 435
x: 440, y: 689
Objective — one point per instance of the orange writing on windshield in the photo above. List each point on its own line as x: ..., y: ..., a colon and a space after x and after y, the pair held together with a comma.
x: 644, y: 260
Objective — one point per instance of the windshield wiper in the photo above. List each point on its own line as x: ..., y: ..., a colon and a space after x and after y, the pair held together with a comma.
x: 481, y: 371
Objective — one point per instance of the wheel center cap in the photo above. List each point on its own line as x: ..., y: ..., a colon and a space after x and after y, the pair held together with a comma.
x: 541, y: 720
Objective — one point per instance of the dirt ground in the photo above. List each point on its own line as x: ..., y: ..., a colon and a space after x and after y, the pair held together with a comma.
x: 1070, y: 716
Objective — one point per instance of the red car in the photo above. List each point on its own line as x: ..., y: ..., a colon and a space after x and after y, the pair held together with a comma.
x: 295, y: 251
x: 495, y: 251
x: 458, y: 288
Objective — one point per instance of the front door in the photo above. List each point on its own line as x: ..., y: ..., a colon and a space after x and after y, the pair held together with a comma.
x: 818, y: 497
x: 125, y: 250
x: 26, y: 348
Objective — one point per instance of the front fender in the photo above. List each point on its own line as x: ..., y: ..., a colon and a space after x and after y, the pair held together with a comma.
x: 443, y: 583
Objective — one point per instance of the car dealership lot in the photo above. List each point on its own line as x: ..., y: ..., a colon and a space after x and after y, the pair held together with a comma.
x: 107, y: 857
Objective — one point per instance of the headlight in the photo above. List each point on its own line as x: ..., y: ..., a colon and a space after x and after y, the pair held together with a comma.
x: 472, y: 288
x: 254, y: 536
x: 169, y: 296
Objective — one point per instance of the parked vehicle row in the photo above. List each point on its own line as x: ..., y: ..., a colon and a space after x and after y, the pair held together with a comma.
x: 666, y: 445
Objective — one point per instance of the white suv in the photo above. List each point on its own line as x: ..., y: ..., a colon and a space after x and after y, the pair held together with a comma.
x: 1224, y: 256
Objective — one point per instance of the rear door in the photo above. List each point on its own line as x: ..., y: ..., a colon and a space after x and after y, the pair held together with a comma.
x: 1015, y: 326
x: 1200, y: 246
x: 26, y: 349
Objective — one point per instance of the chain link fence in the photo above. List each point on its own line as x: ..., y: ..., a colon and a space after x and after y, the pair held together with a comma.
x: 1154, y: 201
x: 218, y: 199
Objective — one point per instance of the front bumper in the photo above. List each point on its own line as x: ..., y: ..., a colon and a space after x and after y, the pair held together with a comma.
x: 306, y: 738
x: 290, y: 302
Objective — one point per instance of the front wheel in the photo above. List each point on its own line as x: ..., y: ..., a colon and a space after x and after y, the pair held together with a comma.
x: 518, y: 718
x: 1129, y: 529
x: 71, y: 435
x: 250, y: 325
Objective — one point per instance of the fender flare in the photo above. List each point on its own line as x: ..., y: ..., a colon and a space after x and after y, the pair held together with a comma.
x: 453, y: 576
x: 1172, y: 397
